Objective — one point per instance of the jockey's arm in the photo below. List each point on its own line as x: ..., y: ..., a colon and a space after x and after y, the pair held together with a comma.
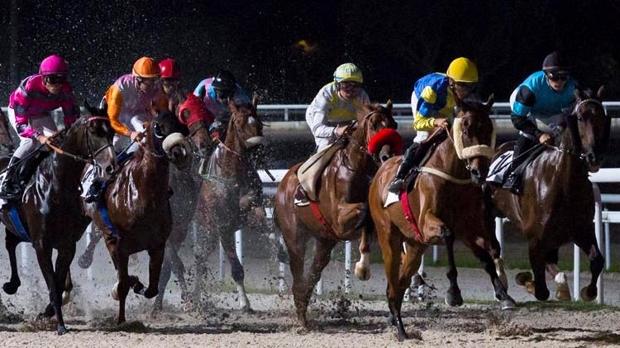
x: 114, y: 98
x: 424, y: 119
x: 20, y: 104
x: 317, y: 120
x: 520, y: 109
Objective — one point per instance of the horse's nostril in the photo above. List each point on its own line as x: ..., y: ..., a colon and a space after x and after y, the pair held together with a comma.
x: 109, y: 169
x: 475, y: 172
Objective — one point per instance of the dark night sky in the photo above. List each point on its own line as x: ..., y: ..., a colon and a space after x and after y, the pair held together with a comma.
x: 394, y: 42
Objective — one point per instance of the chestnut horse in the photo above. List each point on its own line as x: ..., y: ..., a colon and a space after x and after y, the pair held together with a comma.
x: 445, y: 201
x: 557, y: 203
x: 134, y: 213
x: 230, y: 196
x: 342, y: 205
x: 50, y: 210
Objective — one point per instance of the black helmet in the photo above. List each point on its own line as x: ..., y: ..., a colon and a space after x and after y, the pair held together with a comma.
x: 555, y: 62
x: 224, y: 81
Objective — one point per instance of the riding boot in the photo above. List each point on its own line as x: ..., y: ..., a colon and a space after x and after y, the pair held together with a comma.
x: 409, y: 161
x: 513, y: 182
x: 10, y: 188
x: 95, y: 190
x: 29, y: 166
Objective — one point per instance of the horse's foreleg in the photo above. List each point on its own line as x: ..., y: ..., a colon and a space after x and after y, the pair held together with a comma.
x: 322, y: 256
x: 44, y: 258
x: 296, y: 246
x: 62, y: 278
x: 179, y: 271
x: 13, y: 284
x: 391, y: 249
x: 122, y: 286
x: 156, y: 258
x: 87, y: 256
x: 362, y: 267
x: 68, y: 287
x: 166, y: 271
x: 537, y: 261
x: 453, y: 295
x: 487, y: 261
x: 587, y: 243
x: 236, y: 270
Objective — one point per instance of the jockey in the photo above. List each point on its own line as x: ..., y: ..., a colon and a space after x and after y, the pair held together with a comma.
x: 433, y: 100
x: 545, y: 95
x: 29, y: 113
x: 336, y: 104
x: 132, y: 99
x: 333, y: 109
x: 216, y: 92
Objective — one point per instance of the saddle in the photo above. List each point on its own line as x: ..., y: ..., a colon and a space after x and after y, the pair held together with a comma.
x: 310, y: 171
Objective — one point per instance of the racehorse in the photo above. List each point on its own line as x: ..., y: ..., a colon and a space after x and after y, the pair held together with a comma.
x: 134, y: 213
x: 49, y: 211
x: 557, y: 203
x: 444, y: 201
x: 231, y: 195
x: 341, y: 210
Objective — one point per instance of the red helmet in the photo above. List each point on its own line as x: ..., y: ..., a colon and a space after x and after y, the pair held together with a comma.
x: 169, y: 69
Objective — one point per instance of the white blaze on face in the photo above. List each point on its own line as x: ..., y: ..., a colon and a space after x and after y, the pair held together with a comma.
x: 254, y: 141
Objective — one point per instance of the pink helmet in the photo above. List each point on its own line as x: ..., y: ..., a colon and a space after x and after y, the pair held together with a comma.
x: 54, y: 65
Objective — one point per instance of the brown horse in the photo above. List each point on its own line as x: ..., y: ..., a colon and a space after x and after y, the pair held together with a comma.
x: 231, y: 195
x: 342, y: 204
x: 557, y: 203
x: 134, y: 214
x: 50, y: 210
x: 445, y: 201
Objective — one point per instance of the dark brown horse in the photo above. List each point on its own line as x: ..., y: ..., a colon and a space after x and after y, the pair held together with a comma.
x: 50, y: 208
x: 557, y: 203
x: 230, y: 196
x: 445, y: 201
x: 342, y: 203
x: 135, y: 213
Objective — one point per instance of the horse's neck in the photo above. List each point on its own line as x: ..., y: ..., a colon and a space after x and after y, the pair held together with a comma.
x: 66, y: 170
x: 444, y: 158
x: 566, y: 162
x: 355, y: 151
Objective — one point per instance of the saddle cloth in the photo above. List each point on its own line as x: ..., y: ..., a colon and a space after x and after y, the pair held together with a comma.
x: 311, y: 170
x: 500, y: 168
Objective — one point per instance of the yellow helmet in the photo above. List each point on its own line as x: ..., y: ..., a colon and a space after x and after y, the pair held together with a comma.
x: 463, y: 70
x: 348, y: 72
x: 145, y: 67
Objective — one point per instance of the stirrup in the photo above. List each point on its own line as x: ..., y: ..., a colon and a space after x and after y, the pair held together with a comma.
x: 301, y: 198
x: 396, y: 186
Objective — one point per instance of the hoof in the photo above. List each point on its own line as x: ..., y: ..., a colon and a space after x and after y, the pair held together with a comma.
x: 454, y: 298
x: 542, y: 294
x: 10, y: 288
x: 401, y: 336
x: 61, y: 330
x: 114, y: 292
x: 361, y: 272
x: 66, y: 297
x: 587, y: 295
x: 562, y: 292
x: 522, y: 278
x: 85, y: 261
x: 507, y: 304
x: 150, y: 293
x: 247, y: 309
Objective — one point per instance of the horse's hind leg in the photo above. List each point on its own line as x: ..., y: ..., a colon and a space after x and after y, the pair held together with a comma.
x: 453, y: 295
x: 13, y: 284
x: 87, y: 257
x: 587, y: 243
x: 562, y: 291
x: 236, y: 270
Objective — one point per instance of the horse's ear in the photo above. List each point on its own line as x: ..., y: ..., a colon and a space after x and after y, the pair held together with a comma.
x: 579, y: 95
x: 389, y: 105
x: 490, y: 101
x: 601, y: 92
x: 254, y: 101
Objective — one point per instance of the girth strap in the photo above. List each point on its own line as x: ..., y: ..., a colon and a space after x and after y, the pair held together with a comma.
x: 404, y: 201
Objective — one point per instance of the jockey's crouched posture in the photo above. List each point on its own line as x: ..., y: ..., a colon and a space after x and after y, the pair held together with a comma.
x: 131, y: 101
x: 333, y: 109
x: 546, y: 96
x: 29, y: 113
x: 433, y: 100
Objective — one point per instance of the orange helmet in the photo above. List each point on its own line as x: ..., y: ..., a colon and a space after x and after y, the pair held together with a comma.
x: 145, y: 67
